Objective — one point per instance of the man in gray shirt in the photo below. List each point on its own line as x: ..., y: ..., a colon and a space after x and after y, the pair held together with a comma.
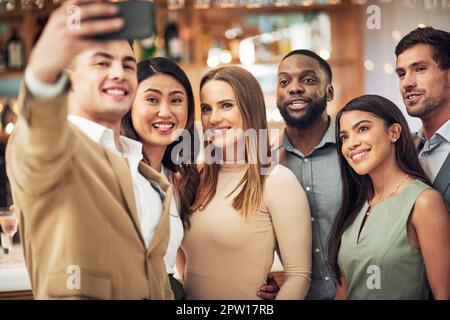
x: 423, y: 68
x: 308, y: 148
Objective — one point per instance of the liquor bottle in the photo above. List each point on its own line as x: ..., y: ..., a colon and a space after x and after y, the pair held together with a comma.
x: 3, y: 65
x: 15, y: 52
x: 172, y: 42
x: 148, y: 47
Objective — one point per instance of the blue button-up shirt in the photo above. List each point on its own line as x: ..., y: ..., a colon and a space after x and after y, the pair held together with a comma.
x: 319, y: 174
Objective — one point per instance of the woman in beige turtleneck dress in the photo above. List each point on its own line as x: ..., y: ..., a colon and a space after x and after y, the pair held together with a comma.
x: 245, y: 209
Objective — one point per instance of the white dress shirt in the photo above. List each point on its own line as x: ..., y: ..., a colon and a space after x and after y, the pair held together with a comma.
x: 435, y: 150
x: 148, y: 201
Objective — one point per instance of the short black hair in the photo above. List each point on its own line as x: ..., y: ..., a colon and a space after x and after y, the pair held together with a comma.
x: 439, y: 41
x: 303, y: 52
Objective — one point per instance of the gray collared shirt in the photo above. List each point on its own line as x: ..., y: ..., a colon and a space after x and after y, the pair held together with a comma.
x: 319, y: 174
x: 434, y: 151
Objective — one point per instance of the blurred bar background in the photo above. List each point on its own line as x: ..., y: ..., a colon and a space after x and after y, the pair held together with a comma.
x: 357, y: 38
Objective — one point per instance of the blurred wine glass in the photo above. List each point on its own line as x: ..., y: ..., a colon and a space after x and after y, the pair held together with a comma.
x: 9, y: 223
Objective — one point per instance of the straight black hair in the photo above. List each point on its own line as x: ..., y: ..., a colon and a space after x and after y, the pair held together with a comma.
x: 186, y: 185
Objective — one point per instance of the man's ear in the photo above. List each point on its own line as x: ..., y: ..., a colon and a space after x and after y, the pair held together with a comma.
x: 330, y: 92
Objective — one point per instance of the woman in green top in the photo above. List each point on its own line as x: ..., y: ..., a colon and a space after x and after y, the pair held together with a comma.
x: 391, y: 237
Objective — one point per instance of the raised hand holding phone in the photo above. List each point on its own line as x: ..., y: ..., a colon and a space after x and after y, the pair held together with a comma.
x: 65, y: 35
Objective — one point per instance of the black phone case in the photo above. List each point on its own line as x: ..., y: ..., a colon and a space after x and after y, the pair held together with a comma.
x: 139, y: 21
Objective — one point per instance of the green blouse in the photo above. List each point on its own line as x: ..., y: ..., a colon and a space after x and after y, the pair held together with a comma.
x: 381, y: 263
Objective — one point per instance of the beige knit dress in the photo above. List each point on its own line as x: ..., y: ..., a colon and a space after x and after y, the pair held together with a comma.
x: 229, y: 257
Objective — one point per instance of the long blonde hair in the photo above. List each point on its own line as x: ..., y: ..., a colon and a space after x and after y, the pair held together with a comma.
x: 250, y: 100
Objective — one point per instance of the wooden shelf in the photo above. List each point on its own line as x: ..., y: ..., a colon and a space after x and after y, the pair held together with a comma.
x: 16, y: 295
x: 11, y: 74
x: 274, y: 9
x: 14, y: 15
x: 19, y: 13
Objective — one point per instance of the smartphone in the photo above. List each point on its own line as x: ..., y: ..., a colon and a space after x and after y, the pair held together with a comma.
x: 139, y: 17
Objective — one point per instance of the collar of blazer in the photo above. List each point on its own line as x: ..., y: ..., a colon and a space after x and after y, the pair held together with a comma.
x: 123, y: 176
x: 442, y: 181
x: 126, y: 185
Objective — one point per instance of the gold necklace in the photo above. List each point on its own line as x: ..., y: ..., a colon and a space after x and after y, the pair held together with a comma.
x: 386, y: 196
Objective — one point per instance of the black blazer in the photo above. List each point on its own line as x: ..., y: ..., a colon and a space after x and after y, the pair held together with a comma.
x: 442, y: 182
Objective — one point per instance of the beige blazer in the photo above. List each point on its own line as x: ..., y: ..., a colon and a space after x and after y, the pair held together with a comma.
x: 78, y: 221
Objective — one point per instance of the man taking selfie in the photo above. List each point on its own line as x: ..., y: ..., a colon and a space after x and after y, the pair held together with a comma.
x: 79, y: 186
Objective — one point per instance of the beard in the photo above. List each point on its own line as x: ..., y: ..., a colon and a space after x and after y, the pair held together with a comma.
x: 312, y: 112
x: 429, y: 104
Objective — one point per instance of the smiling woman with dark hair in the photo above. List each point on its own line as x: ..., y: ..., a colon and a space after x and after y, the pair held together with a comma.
x: 163, y: 107
x: 391, y: 236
